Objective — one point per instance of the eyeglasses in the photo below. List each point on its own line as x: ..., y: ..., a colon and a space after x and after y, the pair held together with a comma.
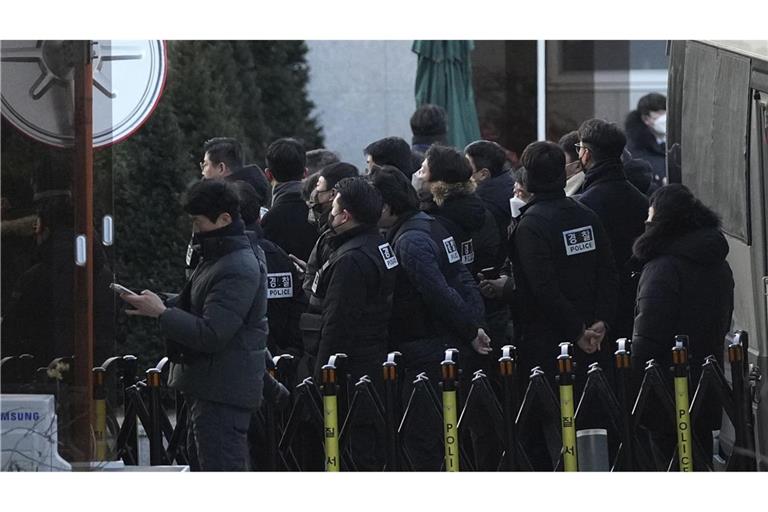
x: 579, y: 146
x: 202, y: 165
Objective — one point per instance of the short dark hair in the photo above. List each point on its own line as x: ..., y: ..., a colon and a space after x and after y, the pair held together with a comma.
x: 360, y: 198
x: 319, y: 158
x: 651, y: 102
x: 568, y: 144
x: 395, y: 189
x: 250, y: 202
x: 447, y: 164
x: 392, y: 151
x: 429, y: 121
x: 487, y: 154
x: 224, y: 150
x: 604, y: 139
x: 211, y: 198
x: 337, y: 172
x: 544, y: 164
x: 286, y: 159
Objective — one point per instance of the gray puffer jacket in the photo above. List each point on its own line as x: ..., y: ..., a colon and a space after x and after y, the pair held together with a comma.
x: 223, y: 329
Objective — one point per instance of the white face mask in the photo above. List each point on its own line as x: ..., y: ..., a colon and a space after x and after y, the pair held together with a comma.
x: 515, y: 203
x: 660, y: 126
x: 417, y: 181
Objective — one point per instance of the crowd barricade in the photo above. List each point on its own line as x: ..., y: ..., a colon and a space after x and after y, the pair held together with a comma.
x: 478, y: 424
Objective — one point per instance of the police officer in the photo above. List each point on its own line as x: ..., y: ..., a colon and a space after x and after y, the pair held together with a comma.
x: 563, y: 268
x: 286, y: 300
x: 352, y: 300
x: 566, y: 279
x: 437, y: 304
x: 321, y: 198
x: 447, y: 175
x: 352, y: 290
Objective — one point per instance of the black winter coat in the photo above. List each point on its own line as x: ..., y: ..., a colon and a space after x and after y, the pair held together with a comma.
x: 473, y: 227
x: 495, y: 193
x: 353, y: 293
x: 641, y: 142
x: 286, y: 222
x: 686, y: 287
x: 565, y: 276
x: 224, y: 325
x: 622, y: 210
x: 435, y: 296
x: 286, y: 300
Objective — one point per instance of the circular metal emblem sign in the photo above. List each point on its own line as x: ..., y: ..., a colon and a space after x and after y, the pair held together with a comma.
x: 37, y: 85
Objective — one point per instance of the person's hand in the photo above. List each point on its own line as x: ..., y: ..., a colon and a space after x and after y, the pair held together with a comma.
x: 301, y: 265
x: 592, y: 338
x: 146, y: 304
x: 597, y: 331
x: 492, y: 288
x: 482, y: 343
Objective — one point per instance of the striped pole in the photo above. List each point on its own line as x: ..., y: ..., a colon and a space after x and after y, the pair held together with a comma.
x: 566, y: 378
x: 682, y: 416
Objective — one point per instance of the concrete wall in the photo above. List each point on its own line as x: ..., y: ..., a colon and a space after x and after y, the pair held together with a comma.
x: 363, y: 91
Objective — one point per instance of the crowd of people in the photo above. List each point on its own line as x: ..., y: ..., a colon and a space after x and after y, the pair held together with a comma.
x: 433, y: 247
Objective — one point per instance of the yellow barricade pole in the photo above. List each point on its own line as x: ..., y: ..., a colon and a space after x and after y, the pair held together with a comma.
x: 566, y: 378
x: 683, y: 419
x: 450, y: 407
x: 330, y: 408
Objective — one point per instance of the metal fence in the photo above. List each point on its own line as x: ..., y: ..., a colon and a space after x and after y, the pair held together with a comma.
x: 494, y: 419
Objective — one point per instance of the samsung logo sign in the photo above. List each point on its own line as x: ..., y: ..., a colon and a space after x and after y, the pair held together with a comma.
x: 20, y: 416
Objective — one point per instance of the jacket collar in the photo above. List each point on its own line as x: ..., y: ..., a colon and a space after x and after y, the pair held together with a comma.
x: 220, y: 242
x: 605, y: 170
x: 541, y: 197
x: 337, y: 240
x: 285, y: 192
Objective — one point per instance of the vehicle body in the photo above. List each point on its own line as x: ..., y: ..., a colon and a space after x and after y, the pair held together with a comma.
x: 717, y: 140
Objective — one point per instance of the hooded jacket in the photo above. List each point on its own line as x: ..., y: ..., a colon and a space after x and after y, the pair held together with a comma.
x: 686, y: 287
x: 642, y: 143
x: 470, y: 223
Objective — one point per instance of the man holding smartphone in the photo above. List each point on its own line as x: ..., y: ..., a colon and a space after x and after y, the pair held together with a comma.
x: 217, y: 328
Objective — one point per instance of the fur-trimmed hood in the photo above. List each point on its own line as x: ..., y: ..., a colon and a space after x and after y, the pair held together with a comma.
x: 457, y: 202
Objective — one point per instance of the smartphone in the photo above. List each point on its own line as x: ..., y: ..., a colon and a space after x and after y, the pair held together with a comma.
x: 118, y: 288
x: 490, y: 273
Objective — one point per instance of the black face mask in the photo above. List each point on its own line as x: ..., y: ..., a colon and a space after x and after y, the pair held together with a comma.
x: 318, y: 213
x: 331, y: 227
x: 649, y: 224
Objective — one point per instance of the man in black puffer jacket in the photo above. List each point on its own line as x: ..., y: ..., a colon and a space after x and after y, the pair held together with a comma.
x: 621, y: 208
x: 217, y: 327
